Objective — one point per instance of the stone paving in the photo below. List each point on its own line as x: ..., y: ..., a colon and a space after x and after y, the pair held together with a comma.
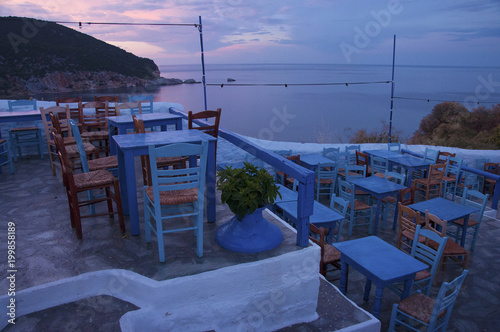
x: 34, y: 197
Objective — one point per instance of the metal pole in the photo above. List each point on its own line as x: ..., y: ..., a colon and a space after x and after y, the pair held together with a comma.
x: 392, y: 87
x: 203, y: 65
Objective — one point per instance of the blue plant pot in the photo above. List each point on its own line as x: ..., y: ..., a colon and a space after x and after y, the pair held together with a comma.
x: 250, y: 235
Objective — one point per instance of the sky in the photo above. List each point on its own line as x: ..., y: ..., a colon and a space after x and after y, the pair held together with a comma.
x: 429, y: 32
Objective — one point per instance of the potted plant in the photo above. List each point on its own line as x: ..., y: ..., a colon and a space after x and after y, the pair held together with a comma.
x: 247, y: 191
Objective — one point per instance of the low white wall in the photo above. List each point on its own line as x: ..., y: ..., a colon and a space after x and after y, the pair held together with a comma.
x: 265, y: 295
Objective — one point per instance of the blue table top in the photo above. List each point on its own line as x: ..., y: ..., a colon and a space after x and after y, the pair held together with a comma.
x: 444, y: 209
x: 409, y: 161
x: 377, y: 185
x: 161, y: 138
x: 313, y: 159
x: 321, y: 213
x: 379, y: 258
x: 383, y: 153
x: 145, y: 117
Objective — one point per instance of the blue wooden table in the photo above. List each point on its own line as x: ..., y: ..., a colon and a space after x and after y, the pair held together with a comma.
x: 410, y: 164
x: 129, y: 146
x: 121, y: 123
x: 446, y: 210
x: 321, y: 217
x: 311, y: 160
x: 378, y: 188
x: 381, y: 263
x: 383, y: 153
x: 20, y: 116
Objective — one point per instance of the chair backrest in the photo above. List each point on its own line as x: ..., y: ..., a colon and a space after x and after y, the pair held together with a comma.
x: 379, y: 164
x: 212, y: 130
x: 445, y: 300
x: 330, y: 153
x: 132, y: 105
x: 164, y: 180
x: 479, y: 163
x: 339, y: 204
x: 94, y: 119
x: 146, y: 174
x: 355, y: 172
x: 431, y: 155
x: 453, y: 166
x: 79, y: 144
x: 66, y: 167
x: 361, y: 159
x: 395, y: 177
x: 443, y: 156
x: 425, y: 253
x: 346, y: 192
x: 394, y: 147
x: 326, y: 171
x: 407, y: 195
x: 351, y: 153
x: 492, y: 168
x: 435, y: 224
x: 71, y: 101
x: 320, y: 241
x: 63, y: 116
x: 475, y: 199
x: 22, y: 104
x: 436, y: 172
x: 408, y: 219
x: 111, y: 107
x: 146, y: 102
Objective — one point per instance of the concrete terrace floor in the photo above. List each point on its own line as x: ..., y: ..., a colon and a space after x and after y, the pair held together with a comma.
x: 47, y: 250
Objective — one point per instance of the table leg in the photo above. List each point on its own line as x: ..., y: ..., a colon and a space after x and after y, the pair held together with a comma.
x: 210, y: 182
x: 178, y: 124
x: 395, y: 222
x: 378, y: 300
x: 112, y: 144
x: 464, y: 231
x: 377, y: 216
x: 128, y: 189
x: 368, y: 287
x: 343, y: 276
x: 407, y: 287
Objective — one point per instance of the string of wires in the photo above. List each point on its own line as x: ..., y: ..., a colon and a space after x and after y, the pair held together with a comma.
x: 293, y: 84
x: 443, y: 100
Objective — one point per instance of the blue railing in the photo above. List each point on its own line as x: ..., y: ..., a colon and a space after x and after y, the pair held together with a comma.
x: 304, y: 176
x: 496, y: 193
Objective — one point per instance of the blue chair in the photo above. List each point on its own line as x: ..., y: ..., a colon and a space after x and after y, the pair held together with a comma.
x: 326, y: 176
x: 351, y: 153
x: 175, y: 193
x: 422, y: 310
x: 431, y: 156
x: 394, y: 147
x: 330, y: 153
x: 5, y: 154
x: 146, y: 104
x: 24, y: 136
x: 357, y: 209
x: 475, y: 199
x: 451, y: 175
x: 340, y: 206
x: 379, y: 166
x: 391, y: 201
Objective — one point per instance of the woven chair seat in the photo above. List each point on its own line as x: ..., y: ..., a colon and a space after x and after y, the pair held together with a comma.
x: 451, y: 248
x: 290, y: 180
x: 325, y: 181
x: 422, y: 275
x: 96, y: 135
x: 69, y: 141
x: 175, y: 197
x: 380, y: 175
x: 420, y: 306
x: 24, y: 129
x: 92, y: 179
x: 331, y: 254
x: 450, y: 178
x: 72, y: 150
x: 103, y: 163
x: 2, y: 140
x: 168, y: 161
x: 470, y: 223
x: 423, y: 182
x: 360, y: 205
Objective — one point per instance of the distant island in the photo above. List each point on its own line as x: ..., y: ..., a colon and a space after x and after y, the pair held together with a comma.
x: 44, y: 57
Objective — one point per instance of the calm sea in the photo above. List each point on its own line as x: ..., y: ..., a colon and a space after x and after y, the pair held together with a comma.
x: 324, y: 113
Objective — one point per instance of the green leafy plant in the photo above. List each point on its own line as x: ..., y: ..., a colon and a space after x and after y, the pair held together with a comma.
x: 246, y: 189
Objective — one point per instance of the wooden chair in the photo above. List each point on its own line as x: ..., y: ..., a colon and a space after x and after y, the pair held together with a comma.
x: 94, y: 125
x: 408, y: 220
x: 452, y: 250
x: 433, y: 183
x: 111, y: 107
x: 130, y: 106
x: 362, y: 160
x: 443, y: 156
x: 423, y: 311
x: 76, y: 183
x: 475, y: 199
x: 489, y: 184
x: 407, y: 195
x: 176, y: 194
x: 24, y: 136
x: 329, y: 255
x: 175, y: 162
x: 357, y: 209
x: 5, y: 156
x: 211, y: 129
x: 146, y: 102
x: 74, y: 111
x: 285, y: 179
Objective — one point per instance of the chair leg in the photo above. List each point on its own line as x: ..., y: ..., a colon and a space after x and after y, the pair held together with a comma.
x: 109, y: 201
x: 199, y: 233
x: 119, y: 208
x: 77, y: 216
x: 159, y: 237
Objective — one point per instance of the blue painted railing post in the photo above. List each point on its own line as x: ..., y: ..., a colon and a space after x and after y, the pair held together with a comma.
x: 304, y: 210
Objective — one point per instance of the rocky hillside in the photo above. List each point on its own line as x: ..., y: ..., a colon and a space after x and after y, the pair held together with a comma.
x: 38, y: 56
